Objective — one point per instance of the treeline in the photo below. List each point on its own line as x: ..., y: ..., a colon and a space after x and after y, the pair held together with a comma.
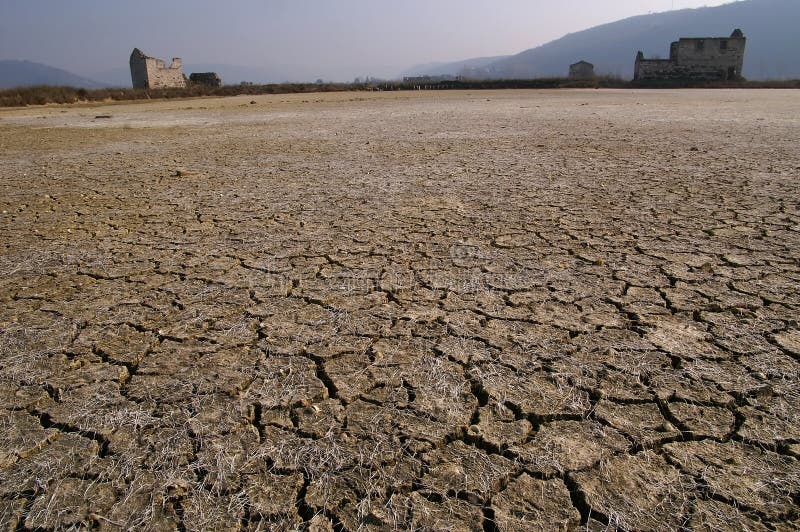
x: 600, y: 82
x: 24, y: 96
x: 41, y: 95
x: 489, y: 84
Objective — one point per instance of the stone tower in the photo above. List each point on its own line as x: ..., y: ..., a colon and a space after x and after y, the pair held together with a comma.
x: 151, y: 73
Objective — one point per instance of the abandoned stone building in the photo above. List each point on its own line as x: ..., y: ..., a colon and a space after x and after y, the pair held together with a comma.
x: 696, y: 59
x: 581, y: 70
x: 209, y: 79
x: 151, y: 73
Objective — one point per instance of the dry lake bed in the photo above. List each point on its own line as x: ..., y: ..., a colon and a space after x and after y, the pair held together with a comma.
x: 512, y: 310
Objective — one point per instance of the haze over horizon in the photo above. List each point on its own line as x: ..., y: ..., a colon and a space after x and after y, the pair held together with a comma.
x: 305, y: 38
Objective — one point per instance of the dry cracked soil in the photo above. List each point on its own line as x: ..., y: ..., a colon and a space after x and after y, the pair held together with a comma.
x: 508, y: 310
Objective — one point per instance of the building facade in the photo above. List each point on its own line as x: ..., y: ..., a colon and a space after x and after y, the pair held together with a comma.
x: 581, y: 70
x: 151, y: 73
x: 696, y: 59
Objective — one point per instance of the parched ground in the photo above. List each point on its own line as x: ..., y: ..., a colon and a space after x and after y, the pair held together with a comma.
x: 432, y: 311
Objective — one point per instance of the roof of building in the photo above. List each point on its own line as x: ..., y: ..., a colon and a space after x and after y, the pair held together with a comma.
x: 737, y: 34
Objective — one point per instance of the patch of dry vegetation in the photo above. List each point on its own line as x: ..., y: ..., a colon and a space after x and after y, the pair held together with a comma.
x: 42, y: 95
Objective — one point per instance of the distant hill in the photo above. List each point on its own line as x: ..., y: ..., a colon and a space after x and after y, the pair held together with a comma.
x: 432, y: 69
x: 119, y: 77
x: 26, y: 73
x: 771, y: 28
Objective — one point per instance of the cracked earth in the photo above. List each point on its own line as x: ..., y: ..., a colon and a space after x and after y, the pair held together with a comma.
x: 513, y: 310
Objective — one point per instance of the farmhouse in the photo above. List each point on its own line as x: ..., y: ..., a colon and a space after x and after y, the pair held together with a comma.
x: 581, y: 70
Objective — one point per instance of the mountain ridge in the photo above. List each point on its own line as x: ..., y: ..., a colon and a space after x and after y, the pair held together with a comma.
x: 773, y: 48
x: 21, y: 73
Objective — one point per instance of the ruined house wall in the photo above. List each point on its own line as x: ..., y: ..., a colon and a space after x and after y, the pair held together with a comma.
x: 210, y: 79
x: 647, y: 69
x: 152, y: 73
x: 717, y: 53
x: 138, y: 69
x: 666, y: 70
x: 160, y: 76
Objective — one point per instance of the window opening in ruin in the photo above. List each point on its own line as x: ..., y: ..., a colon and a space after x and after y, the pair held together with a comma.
x: 700, y: 45
x: 723, y: 45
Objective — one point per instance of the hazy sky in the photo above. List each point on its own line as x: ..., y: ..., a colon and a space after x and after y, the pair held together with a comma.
x: 337, y: 37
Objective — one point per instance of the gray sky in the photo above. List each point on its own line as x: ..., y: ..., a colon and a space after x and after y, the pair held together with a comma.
x: 337, y: 38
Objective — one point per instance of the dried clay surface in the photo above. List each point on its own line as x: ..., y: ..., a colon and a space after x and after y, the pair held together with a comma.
x: 509, y: 311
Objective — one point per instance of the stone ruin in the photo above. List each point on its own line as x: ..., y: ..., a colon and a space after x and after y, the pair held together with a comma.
x: 210, y: 79
x: 581, y: 70
x: 151, y: 73
x: 696, y: 59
